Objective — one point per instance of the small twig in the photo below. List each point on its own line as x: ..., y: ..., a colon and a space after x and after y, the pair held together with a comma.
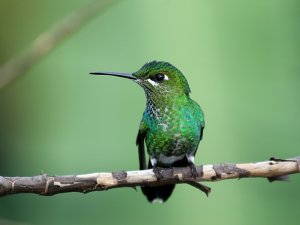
x: 200, y: 186
x: 50, y: 185
x: 45, y: 42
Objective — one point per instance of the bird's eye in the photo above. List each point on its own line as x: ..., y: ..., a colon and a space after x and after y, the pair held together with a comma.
x: 158, y: 77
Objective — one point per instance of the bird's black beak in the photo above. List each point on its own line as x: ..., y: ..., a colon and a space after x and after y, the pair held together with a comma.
x: 117, y: 74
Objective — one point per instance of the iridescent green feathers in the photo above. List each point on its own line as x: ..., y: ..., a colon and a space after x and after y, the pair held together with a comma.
x: 172, y: 123
x: 176, y: 84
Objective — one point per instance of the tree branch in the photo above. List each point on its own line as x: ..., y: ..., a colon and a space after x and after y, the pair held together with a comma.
x: 49, y: 185
x: 45, y: 42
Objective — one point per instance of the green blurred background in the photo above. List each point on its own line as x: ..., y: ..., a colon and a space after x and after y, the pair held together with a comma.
x: 241, y: 59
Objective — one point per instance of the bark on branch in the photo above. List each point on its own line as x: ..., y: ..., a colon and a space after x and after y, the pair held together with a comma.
x: 49, y: 185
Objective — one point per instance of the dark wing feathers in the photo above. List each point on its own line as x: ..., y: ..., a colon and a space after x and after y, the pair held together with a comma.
x: 201, y: 134
x: 141, y: 147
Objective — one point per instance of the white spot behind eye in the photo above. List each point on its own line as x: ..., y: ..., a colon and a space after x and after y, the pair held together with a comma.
x: 152, y: 82
x: 155, y: 83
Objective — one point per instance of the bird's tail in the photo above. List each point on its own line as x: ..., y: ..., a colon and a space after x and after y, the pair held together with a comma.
x: 157, y: 194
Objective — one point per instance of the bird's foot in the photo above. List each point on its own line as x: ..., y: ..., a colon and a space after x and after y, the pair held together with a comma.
x: 193, y: 170
x: 156, y: 171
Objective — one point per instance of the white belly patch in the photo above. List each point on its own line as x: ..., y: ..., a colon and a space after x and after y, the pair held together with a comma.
x: 168, y: 160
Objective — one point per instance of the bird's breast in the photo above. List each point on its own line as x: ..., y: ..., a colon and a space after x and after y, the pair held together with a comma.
x: 172, y: 139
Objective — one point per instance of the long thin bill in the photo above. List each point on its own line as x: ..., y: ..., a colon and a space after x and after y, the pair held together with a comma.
x: 116, y: 74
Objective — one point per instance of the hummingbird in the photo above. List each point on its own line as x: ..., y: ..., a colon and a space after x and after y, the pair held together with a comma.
x: 172, y: 124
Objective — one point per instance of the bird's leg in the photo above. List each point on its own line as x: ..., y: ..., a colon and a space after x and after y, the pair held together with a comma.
x: 202, y: 187
x: 156, y: 169
x: 191, y: 161
x: 193, y: 170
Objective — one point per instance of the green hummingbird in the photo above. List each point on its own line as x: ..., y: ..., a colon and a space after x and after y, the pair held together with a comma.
x: 172, y: 123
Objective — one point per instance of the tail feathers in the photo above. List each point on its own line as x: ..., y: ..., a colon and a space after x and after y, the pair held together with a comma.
x: 158, y: 194
x: 161, y: 193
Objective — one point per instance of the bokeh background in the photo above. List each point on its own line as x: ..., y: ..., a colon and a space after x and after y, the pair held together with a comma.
x: 241, y: 59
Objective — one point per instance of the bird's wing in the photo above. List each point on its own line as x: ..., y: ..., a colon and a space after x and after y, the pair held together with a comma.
x: 202, y: 123
x: 200, y: 115
x: 140, y: 143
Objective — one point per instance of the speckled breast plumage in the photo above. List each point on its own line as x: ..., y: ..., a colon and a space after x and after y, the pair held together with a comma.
x: 174, y: 130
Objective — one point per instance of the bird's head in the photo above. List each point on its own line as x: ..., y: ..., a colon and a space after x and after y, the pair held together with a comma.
x: 157, y: 78
x: 162, y: 78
